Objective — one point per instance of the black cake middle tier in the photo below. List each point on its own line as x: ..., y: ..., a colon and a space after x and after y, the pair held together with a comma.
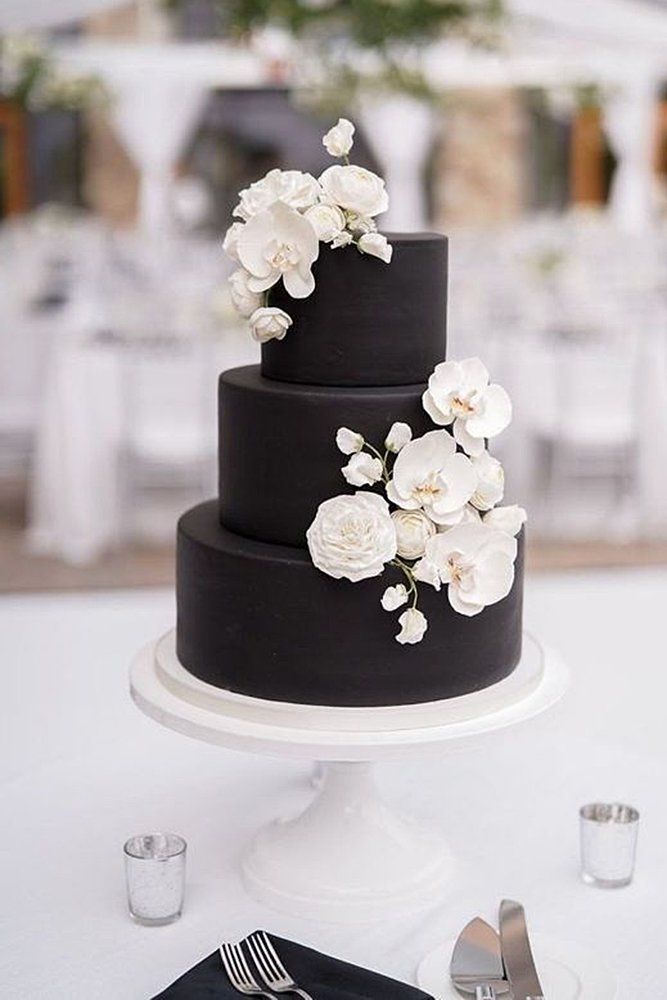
x: 278, y: 455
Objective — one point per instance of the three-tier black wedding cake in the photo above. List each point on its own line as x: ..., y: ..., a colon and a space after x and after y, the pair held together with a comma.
x: 255, y: 614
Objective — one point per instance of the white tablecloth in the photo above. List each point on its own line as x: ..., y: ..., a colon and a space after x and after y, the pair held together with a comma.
x: 82, y: 769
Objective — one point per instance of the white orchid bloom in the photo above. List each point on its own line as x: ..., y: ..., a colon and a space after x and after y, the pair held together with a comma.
x: 476, y: 562
x: 459, y: 393
x: 429, y: 474
x: 279, y: 243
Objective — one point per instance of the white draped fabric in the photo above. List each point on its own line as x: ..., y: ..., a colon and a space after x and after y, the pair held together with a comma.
x: 29, y: 15
x: 155, y: 116
x: 630, y: 121
x: 400, y: 130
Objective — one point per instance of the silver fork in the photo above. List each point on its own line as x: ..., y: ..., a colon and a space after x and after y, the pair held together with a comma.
x: 238, y: 972
x: 271, y: 969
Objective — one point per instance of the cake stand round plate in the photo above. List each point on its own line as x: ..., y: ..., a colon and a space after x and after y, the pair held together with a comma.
x: 348, y: 856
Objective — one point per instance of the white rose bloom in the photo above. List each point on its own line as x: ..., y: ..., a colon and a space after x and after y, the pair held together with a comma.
x: 375, y: 244
x: 292, y: 187
x: 327, y: 221
x: 459, y: 392
x: 413, y: 528
x: 279, y: 243
x: 338, y: 140
x: 342, y: 240
x: 394, y: 597
x: 356, y: 189
x: 352, y: 537
x: 398, y: 436
x: 243, y: 299
x: 490, y: 484
x: 413, y: 626
x: 509, y: 519
x: 477, y: 564
x: 269, y: 323
x: 362, y: 470
x: 230, y: 242
x: 348, y: 441
x: 430, y: 474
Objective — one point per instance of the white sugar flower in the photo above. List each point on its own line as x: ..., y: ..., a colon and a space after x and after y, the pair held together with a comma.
x: 509, y: 519
x: 292, y: 187
x: 427, y: 572
x: 352, y: 537
x: 490, y: 484
x: 343, y: 239
x: 360, y: 224
x: 279, y: 243
x: 356, y: 189
x: 398, y: 436
x: 362, y: 470
x: 413, y: 528
x: 230, y: 242
x: 327, y: 221
x: 244, y: 300
x: 430, y: 474
x: 394, y: 597
x: 338, y: 140
x: 269, y: 323
x: 375, y: 244
x: 470, y: 516
x: 348, y: 441
x: 477, y: 564
x: 413, y: 626
x: 459, y: 392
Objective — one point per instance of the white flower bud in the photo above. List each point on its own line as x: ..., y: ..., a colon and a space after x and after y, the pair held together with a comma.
x: 348, y: 441
x: 338, y: 140
x: 269, y: 323
x: 398, y: 436
x: 362, y: 470
x: 413, y: 626
x: 394, y: 597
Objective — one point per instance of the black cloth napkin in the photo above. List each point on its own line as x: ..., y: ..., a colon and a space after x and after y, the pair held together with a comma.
x: 325, y: 978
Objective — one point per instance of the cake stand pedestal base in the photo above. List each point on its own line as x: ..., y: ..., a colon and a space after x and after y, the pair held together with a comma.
x: 348, y: 857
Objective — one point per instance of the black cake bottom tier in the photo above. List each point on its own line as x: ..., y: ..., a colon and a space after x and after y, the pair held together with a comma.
x: 260, y: 620
x: 278, y: 454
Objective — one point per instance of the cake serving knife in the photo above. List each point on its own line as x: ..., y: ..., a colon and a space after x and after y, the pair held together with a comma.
x: 476, y: 967
x: 517, y: 955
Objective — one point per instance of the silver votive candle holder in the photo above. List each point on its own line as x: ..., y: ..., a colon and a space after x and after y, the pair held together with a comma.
x: 155, y: 875
x: 608, y: 843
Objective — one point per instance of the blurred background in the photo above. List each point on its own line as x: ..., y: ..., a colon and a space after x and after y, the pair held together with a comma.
x: 533, y: 133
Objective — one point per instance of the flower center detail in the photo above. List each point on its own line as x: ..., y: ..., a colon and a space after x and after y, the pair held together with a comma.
x: 463, y: 406
x: 282, y: 256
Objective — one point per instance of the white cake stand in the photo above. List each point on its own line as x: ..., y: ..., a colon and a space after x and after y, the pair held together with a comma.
x: 348, y: 856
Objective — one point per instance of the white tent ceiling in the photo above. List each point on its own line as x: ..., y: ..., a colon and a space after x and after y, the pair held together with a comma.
x: 24, y: 15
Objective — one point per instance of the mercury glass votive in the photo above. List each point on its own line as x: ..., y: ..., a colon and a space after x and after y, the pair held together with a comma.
x: 608, y: 843
x: 155, y: 874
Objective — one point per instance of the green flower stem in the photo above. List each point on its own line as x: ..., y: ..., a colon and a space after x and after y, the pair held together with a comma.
x: 383, y: 459
x: 413, y: 590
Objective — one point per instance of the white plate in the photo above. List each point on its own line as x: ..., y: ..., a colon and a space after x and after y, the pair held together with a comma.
x: 567, y: 972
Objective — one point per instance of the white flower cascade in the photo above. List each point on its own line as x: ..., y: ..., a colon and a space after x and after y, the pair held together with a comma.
x: 283, y: 219
x: 444, y: 527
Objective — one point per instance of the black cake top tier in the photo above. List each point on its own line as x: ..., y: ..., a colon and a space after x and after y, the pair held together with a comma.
x: 367, y: 323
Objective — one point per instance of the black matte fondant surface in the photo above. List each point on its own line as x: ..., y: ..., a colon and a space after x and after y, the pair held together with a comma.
x: 261, y: 620
x: 367, y: 322
x: 278, y: 454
